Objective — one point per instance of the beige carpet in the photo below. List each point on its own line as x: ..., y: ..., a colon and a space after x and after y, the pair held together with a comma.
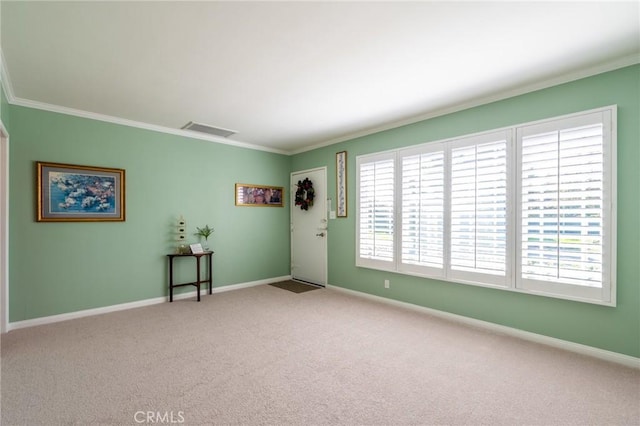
x: 271, y: 357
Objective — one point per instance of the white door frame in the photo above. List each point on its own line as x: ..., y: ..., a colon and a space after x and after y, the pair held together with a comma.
x: 293, y: 206
x: 4, y: 228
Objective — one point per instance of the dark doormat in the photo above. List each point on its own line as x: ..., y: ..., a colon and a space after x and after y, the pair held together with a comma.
x: 294, y: 286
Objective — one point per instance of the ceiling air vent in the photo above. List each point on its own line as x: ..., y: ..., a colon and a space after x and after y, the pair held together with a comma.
x: 205, y: 128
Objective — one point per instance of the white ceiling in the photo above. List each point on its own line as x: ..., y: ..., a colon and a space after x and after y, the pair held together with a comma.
x: 290, y: 75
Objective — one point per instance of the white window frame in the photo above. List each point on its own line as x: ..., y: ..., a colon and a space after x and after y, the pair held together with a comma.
x: 606, y: 294
x: 407, y: 268
x: 363, y: 261
x: 511, y: 281
x: 477, y: 277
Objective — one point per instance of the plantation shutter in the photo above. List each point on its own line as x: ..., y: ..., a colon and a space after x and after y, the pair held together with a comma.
x: 376, y: 211
x: 423, y: 211
x: 528, y: 208
x: 479, y: 208
x: 562, y: 203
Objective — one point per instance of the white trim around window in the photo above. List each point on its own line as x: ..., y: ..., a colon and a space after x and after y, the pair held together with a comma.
x: 375, y: 206
x: 529, y: 208
x: 570, y: 175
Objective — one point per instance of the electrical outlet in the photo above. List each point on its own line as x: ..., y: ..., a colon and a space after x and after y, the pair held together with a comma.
x: 386, y: 283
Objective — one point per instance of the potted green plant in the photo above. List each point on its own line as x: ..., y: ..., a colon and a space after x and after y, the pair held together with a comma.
x: 205, y: 232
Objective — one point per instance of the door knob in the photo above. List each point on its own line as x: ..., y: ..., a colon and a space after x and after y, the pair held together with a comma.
x: 320, y: 234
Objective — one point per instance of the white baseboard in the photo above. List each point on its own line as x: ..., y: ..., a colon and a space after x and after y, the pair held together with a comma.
x: 250, y: 284
x: 591, y: 351
x: 137, y: 304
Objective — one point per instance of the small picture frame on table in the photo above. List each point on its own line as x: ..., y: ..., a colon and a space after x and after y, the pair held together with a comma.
x: 196, y: 248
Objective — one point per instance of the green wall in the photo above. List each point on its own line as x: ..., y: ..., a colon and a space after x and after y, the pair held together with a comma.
x: 615, y: 329
x: 65, y: 267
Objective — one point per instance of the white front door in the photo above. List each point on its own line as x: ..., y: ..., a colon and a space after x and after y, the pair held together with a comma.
x: 309, y: 229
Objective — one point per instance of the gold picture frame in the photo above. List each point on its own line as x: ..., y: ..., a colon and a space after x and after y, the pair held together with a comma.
x: 249, y: 195
x: 74, y: 193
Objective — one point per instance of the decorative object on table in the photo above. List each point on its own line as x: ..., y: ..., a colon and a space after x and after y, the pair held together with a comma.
x: 259, y: 195
x: 73, y: 193
x: 341, y: 183
x: 305, y: 194
x: 181, y: 236
x: 205, y: 232
x: 196, y: 248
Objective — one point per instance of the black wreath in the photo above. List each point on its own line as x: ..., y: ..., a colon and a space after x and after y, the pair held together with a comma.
x: 305, y: 194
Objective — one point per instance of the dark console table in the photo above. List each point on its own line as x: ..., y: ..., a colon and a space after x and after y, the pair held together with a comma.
x: 208, y: 255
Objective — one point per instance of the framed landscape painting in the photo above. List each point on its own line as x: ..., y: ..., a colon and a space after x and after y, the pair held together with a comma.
x: 259, y: 195
x: 72, y: 193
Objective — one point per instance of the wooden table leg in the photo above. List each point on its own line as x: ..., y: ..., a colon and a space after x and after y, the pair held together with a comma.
x: 170, y: 279
x: 210, y: 274
x: 198, y: 276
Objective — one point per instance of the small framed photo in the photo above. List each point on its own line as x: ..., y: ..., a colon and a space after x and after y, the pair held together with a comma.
x: 341, y: 184
x: 259, y: 195
x: 196, y: 248
x: 73, y: 193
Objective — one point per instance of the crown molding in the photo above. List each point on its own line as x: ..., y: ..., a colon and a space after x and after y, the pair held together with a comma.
x: 138, y: 124
x: 5, y: 81
x: 13, y: 100
x: 623, y: 62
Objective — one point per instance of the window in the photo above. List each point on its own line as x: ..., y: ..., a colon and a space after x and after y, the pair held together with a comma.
x: 422, y: 249
x: 566, y: 198
x: 478, y: 209
x: 529, y: 208
x: 376, y: 210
